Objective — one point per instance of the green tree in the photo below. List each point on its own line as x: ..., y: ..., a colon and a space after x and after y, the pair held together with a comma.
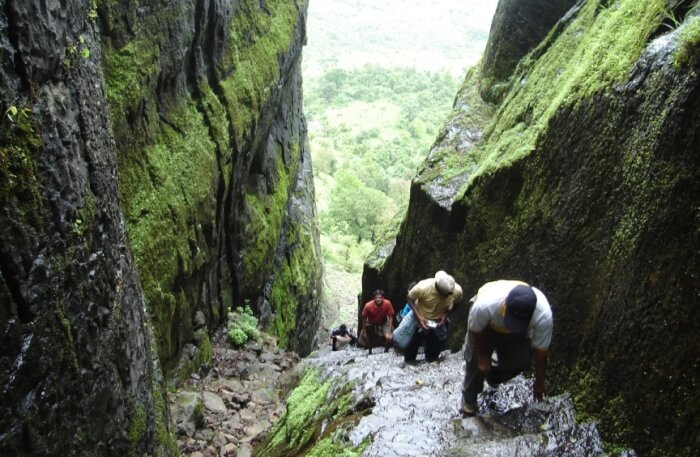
x: 354, y: 208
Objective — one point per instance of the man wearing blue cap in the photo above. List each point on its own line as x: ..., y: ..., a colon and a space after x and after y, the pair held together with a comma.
x: 513, y: 320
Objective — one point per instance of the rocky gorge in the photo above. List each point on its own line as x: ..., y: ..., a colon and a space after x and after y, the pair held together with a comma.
x: 155, y: 174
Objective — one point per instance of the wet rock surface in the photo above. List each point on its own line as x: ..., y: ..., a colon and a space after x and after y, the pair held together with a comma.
x: 414, y: 411
x: 227, y: 411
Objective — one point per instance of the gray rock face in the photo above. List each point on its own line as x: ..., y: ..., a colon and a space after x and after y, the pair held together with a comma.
x: 76, y: 369
x: 413, y: 411
x: 135, y: 149
x: 518, y: 27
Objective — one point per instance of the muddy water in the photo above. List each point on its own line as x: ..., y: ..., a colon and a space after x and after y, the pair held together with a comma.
x: 415, y: 411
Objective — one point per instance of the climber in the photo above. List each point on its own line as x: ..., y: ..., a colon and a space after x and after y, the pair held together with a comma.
x: 378, y: 318
x: 431, y: 301
x: 513, y: 320
x: 407, y: 308
x: 341, y: 337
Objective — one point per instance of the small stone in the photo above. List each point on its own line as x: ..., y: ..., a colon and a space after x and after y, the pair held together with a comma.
x: 205, y: 434
x: 244, y: 451
x: 230, y: 438
x: 254, y: 431
x: 219, y: 439
x: 263, y: 396
x: 267, y: 357
x: 247, y: 415
x: 199, y: 320
x: 232, y: 424
x: 213, y: 402
x: 229, y: 449
x: 196, y: 454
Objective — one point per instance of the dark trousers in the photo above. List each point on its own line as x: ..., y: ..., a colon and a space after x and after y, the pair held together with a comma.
x: 433, y: 346
x: 513, y: 352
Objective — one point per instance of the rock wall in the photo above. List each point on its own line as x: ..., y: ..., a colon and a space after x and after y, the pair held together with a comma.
x: 213, y: 163
x: 583, y: 181
x: 154, y: 171
x: 518, y: 27
x: 76, y: 369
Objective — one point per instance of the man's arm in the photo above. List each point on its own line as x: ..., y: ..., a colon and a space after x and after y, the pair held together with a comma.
x: 540, y: 356
x: 457, y: 297
x: 421, y: 320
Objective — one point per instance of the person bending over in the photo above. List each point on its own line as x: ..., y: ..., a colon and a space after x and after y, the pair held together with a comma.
x: 514, y: 321
x: 431, y: 301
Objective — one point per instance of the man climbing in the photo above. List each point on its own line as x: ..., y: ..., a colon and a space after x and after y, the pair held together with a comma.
x: 513, y: 320
x: 341, y: 337
x: 378, y: 318
x: 431, y: 300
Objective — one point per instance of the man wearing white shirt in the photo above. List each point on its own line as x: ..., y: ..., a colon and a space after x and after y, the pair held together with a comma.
x: 513, y: 320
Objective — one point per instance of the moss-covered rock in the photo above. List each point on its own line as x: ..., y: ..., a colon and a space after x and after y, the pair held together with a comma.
x: 208, y: 154
x: 133, y: 134
x: 518, y: 26
x: 77, y: 370
x: 317, y: 411
x: 584, y: 184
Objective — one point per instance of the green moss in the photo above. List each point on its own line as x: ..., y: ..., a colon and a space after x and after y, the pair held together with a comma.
x: 217, y: 120
x: 127, y: 70
x: 68, y: 333
x: 172, y: 185
x: 312, y: 403
x: 595, y: 51
x: 688, y: 42
x: 137, y: 427
x: 165, y: 440
x: 20, y: 145
x: 192, y: 363
x: 471, y: 113
x: 333, y: 447
x: 256, y: 39
x: 266, y: 214
x: 614, y: 416
x: 292, y: 281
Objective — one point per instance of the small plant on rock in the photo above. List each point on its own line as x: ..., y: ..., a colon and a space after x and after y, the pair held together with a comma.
x: 242, y: 326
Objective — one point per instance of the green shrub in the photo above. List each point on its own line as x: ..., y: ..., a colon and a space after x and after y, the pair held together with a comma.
x: 242, y: 326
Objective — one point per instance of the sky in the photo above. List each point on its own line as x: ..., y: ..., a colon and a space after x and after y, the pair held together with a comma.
x: 424, y: 34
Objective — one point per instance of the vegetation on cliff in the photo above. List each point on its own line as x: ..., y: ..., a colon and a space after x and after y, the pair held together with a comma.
x: 187, y: 147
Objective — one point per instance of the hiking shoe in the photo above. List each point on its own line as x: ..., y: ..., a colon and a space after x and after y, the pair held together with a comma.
x: 493, y: 384
x: 468, y: 409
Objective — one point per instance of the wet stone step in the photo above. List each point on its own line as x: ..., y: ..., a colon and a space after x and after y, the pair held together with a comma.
x: 414, y: 411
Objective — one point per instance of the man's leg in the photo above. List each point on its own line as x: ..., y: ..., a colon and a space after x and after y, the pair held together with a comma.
x: 513, y: 358
x: 333, y: 343
x: 433, y: 346
x: 473, y: 382
x: 410, y: 353
x: 341, y: 342
x: 387, y: 342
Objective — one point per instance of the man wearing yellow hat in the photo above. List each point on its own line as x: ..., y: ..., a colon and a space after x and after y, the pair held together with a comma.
x: 431, y: 301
